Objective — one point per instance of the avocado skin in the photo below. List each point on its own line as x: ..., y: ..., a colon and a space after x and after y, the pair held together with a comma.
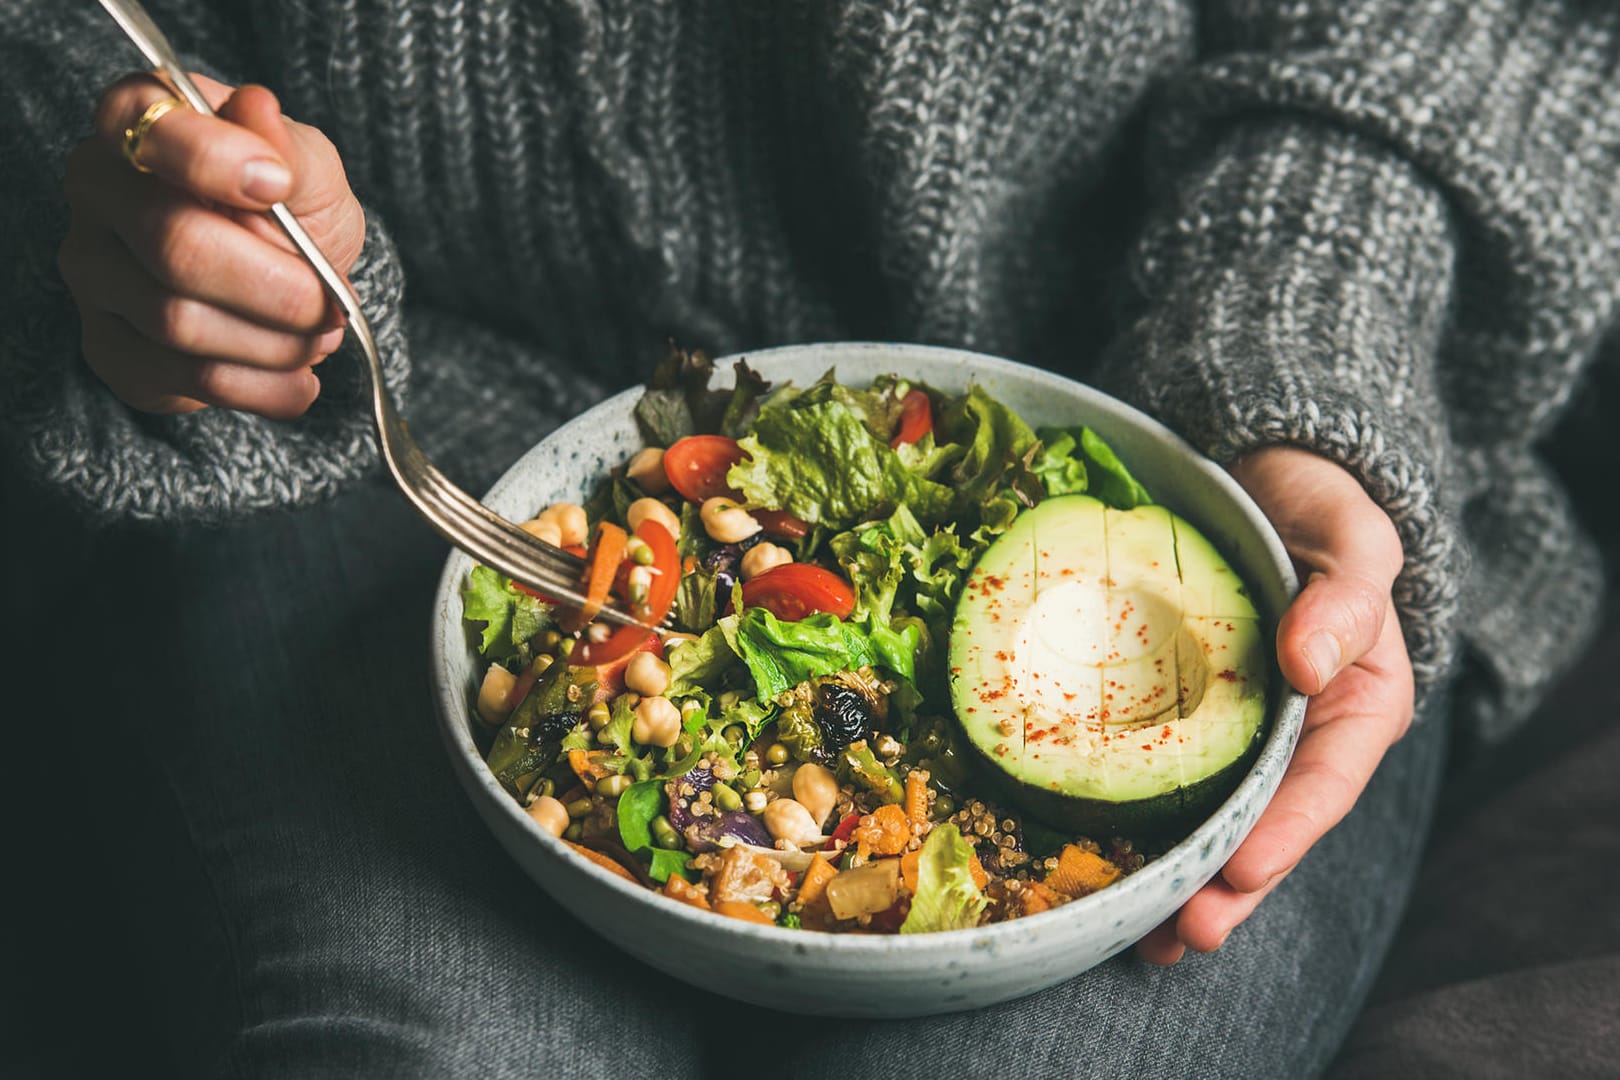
x: 1151, y: 824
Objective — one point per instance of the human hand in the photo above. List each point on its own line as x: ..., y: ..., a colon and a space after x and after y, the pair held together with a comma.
x: 187, y: 294
x: 1339, y: 642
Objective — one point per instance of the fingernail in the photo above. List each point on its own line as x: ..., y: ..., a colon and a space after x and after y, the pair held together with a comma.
x: 265, y: 180
x: 1323, y: 654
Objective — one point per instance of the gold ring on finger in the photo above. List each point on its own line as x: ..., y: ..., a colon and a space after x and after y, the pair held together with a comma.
x: 135, y: 136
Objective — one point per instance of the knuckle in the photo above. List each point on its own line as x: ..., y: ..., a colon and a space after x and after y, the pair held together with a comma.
x: 179, y: 323
x: 117, y: 106
x: 210, y: 380
x: 184, y: 245
x: 296, y: 299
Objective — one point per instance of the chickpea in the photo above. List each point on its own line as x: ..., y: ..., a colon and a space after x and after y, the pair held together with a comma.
x: 551, y: 814
x: 492, y: 694
x: 650, y: 508
x: 545, y: 530
x: 787, y: 819
x: 647, y: 470
x: 816, y: 789
x: 658, y: 722
x: 647, y: 675
x: 762, y: 557
x: 726, y: 522
x: 570, y: 521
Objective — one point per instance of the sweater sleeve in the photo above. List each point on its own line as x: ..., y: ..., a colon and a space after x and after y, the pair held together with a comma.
x: 66, y: 430
x: 1390, y: 232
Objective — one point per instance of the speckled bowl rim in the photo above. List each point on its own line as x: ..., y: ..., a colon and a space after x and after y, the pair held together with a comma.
x: 1286, y: 721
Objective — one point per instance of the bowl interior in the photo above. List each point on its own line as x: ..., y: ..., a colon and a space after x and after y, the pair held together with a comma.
x: 987, y: 964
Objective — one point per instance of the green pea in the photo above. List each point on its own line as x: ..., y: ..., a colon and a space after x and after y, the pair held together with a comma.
x: 734, y: 734
x: 611, y: 787
x: 726, y: 797
x: 641, y: 553
x: 550, y: 639
x: 565, y: 647
x: 599, y: 715
x: 944, y: 806
x: 543, y: 661
x: 777, y: 754
x: 574, y: 832
x: 664, y: 834
x: 545, y: 787
x: 770, y: 909
x: 579, y: 808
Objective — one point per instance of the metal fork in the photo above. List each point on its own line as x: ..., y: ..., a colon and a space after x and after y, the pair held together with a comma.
x: 457, y: 516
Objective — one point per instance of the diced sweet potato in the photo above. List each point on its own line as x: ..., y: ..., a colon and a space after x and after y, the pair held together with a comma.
x: 737, y: 909
x: 813, y: 886
x: 910, y: 869
x: 678, y: 888
x: 745, y: 876
x: 1081, y: 873
x: 1039, y: 898
x: 603, y: 861
x: 885, y: 831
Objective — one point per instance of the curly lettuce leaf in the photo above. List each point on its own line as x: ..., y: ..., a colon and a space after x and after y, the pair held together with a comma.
x: 821, y: 462
x: 1078, y: 460
x: 947, y: 897
x: 510, y: 617
x: 700, y: 665
x: 780, y: 654
x: 679, y: 401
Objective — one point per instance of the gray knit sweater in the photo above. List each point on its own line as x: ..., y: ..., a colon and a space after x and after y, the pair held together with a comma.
x: 1387, y: 230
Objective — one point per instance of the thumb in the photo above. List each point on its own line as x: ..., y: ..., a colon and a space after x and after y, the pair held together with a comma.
x: 1345, y: 546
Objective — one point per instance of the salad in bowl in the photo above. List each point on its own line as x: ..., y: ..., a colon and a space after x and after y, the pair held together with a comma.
x: 931, y: 667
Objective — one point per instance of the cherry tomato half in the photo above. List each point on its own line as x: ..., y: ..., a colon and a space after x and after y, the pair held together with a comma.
x: 916, y: 418
x: 795, y: 590
x: 697, y: 466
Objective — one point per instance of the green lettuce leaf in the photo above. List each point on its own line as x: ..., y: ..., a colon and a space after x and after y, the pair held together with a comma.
x: 639, y: 804
x: 821, y: 462
x: 701, y: 664
x: 995, y: 437
x: 696, y: 600
x: 679, y: 402
x: 946, y: 898
x: 510, y: 617
x: 1078, y: 460
x: 780, y: 654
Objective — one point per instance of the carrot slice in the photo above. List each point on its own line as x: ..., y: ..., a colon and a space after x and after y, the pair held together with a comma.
x: 917, y: 798
x: 813, y: 886
x: 601, y: 566
x: 738, y: 909
x: 603, y: 861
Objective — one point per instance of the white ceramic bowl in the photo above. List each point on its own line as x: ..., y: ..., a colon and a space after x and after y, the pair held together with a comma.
x: 880, y: 975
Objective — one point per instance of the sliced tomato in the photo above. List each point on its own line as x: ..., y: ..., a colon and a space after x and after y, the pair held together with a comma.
x: 697, y: 466
x: 666, y: 578
x: 781, y: 525
x: 794, y: 590
x: 610, y: 673
x: 916, y: 418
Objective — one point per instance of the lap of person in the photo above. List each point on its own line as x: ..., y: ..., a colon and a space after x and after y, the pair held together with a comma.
x: 318, y: 896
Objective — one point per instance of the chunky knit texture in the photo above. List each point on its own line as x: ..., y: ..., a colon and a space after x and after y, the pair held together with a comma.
x: 1386, y: 230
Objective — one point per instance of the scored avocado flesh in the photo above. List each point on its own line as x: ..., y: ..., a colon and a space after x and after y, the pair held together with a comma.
x: 1109, y: 663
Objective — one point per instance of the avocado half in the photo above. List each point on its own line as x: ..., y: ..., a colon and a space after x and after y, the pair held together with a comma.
x: 1109, y: 669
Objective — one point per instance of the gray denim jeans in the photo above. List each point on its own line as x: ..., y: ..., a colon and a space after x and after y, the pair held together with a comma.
x: 312, y: 895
